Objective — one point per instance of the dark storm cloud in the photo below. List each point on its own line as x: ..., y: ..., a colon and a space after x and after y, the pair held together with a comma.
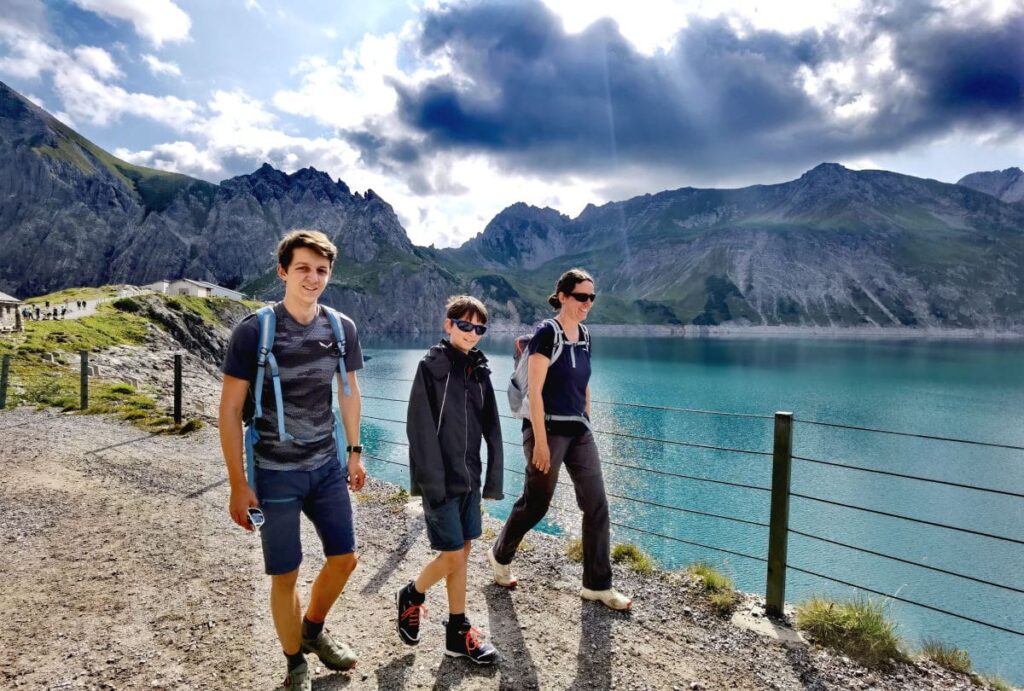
x: 543, y: 99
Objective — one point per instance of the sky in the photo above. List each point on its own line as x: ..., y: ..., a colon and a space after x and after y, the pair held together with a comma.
x: 452, y: 111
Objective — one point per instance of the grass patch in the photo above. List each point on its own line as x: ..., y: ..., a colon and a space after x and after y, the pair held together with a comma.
x: 574, y: 550
x: 719, y: 588
x: 397, y: 500
x: 952, y: 658
x: 126, y: 305
x: 995, y: 682
x: 526, y: 546
x: 488, y: 534
x: 191, y: 425
x: 633, y: 557
x: 72, y: 294
x: 858, y: 628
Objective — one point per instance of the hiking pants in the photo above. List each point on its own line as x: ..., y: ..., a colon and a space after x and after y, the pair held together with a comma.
x: 579, y: 454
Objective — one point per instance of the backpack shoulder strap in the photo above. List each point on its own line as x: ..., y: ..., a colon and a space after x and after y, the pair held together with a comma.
x: 559, y: 341
x: 264, y: 357
x: 334, y: 317
x: 586, y: 335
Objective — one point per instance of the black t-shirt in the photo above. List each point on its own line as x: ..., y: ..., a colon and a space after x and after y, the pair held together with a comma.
x: 565, y: 388
x: 307, y: 359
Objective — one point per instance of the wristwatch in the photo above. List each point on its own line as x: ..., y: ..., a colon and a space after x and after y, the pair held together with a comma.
x: 354, y: 448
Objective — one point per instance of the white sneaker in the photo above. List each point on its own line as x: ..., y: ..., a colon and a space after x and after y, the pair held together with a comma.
x: 611, y: 598
x: 502, y: 572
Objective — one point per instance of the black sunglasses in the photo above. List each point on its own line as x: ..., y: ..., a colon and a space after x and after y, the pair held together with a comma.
x: 470, y: 326
x: 583, y: 297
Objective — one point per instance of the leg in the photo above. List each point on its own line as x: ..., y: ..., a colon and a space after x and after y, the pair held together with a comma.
x: 442, y: 566
x: 584, y: 467
x: 456, y: 582
x: 538, y: 488
x: 328, y: 585
x: 285, y: 608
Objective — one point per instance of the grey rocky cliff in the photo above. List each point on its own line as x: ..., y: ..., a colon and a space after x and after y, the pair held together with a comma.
x: 1007, y: 185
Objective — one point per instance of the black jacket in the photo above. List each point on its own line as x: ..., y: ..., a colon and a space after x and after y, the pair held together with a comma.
x: 451, y: 407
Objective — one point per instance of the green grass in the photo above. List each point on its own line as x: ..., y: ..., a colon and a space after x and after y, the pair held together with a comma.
x: 952, y: 658
x: 857, y: 628
x: 397, y: 500
x: 633, y: 557
x: 574, y: 550
x: 719, y: 588
x: 72, y: 294
x: 995, y: 682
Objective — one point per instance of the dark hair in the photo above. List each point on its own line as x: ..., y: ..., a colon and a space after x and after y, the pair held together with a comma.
x: 459, y: 306
x: 566, y: 284
x: 310, y: 239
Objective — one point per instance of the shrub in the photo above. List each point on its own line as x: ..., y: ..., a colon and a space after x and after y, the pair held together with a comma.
x: 719, y: 587
x: 724, y: 601
x: 126, y: 305
x: 633, y: 557
x: 858, y: 629
x: 191, y: 425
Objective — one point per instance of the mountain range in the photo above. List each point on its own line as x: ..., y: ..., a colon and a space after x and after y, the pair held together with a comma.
x: 835, y: 247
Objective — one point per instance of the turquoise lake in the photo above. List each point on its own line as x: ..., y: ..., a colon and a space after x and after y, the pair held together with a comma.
x: 968, y: 390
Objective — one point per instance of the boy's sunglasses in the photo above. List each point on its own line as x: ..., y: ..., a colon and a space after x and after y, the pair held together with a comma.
x: 470, y: 326
x: 583, y: 297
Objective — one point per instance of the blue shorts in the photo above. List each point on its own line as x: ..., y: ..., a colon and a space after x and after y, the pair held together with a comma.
x: 454, y: 522
x: 322, y: 495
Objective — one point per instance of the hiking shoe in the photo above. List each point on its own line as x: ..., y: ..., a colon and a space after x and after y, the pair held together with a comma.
x: 298, y: 679
x: 468, y: 641
x: 502, y: 572
x: 409, y: 615
x: 336, y: 656
x: 611, y: 598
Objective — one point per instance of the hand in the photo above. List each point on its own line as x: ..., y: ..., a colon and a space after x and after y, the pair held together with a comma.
x: 242, y: 499
x: 356, y: 472
x: 541, y: 457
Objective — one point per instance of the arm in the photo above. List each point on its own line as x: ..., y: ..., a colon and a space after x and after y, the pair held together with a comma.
x: 232, y: 398
x: 351, y: 412
x: 537, y: 374
x: 426, y: 465
x: 494, y: 480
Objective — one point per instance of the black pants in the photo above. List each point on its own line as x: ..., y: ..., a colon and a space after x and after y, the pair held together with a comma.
x: 579, y: 454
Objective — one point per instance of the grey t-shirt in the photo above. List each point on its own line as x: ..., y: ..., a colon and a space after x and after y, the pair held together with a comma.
x: 307, y: 358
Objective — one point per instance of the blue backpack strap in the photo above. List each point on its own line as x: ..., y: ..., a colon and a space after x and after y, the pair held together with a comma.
x: 339, y: 337
x: 264, y: 357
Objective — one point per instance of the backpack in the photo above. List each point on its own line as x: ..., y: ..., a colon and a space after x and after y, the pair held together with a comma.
x: 518, y: 390
x: 264, y: 357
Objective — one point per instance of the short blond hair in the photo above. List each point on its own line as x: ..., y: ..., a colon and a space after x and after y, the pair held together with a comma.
x: 459, y: 306
x: 311, y: 239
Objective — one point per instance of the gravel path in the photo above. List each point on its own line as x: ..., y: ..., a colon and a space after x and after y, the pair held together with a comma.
x: 121, y: 570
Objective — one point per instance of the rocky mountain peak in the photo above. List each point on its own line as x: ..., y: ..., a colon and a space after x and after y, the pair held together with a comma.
x: 1006, y: 185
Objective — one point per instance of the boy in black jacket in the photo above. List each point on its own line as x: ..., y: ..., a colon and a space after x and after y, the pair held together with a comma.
x: 451, y: 408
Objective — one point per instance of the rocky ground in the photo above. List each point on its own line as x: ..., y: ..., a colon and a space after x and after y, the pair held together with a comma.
x: 123, y: 571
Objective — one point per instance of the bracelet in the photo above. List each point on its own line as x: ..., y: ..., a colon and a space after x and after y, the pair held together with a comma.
x: 354, y: 448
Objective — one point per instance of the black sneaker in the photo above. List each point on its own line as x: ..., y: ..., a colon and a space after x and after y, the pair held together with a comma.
x: 409, y: 615
x: 468, y: 641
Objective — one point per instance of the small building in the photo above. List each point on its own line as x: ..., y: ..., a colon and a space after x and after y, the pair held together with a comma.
x: 193, y: 288
x: 10, y: 313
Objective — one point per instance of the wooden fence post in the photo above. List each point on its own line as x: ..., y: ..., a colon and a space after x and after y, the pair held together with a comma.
x: 177, y: 388
x: 778, y: 529
x: 5, y: 367
x: 84, y: 385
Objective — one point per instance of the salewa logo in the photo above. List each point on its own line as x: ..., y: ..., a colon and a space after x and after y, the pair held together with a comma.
x: 325, y: 345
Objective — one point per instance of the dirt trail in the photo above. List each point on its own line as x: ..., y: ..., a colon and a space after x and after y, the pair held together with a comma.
x: 121, y: 570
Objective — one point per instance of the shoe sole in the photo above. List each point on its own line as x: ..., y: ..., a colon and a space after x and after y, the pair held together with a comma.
x: 401, y: 634
x: 492, y: 561
x: 482, y: 663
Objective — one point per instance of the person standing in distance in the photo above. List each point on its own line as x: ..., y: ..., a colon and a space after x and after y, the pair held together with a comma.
x: 301, y: 471
x: 558, y: 432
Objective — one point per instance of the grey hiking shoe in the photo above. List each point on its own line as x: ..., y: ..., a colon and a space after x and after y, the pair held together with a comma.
x: 336, y: 656
x: 298, y: 679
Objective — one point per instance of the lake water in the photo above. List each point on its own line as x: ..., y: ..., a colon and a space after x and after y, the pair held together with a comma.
x: 971, y: 390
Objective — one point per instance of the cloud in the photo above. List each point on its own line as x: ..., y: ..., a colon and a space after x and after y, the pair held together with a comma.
x: 158, y: 66
x: 158, y: 21
x: 724, y: 95
x: 97, y: 61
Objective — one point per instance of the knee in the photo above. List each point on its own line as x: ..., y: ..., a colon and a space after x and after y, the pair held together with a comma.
x: 342, y: 564
x: 284, y: 582
x: 596, y: 509
x: 453, y: 560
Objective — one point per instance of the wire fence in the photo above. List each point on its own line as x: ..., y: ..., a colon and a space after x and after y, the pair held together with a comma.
x: 778, y: 528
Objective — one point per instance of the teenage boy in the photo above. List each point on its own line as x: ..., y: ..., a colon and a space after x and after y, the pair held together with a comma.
x: 451, y: 408
x: 298, y: 471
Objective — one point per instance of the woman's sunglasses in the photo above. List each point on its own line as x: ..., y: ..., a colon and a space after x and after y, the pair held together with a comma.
x: 470, y: 326
x: 583, y: 297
